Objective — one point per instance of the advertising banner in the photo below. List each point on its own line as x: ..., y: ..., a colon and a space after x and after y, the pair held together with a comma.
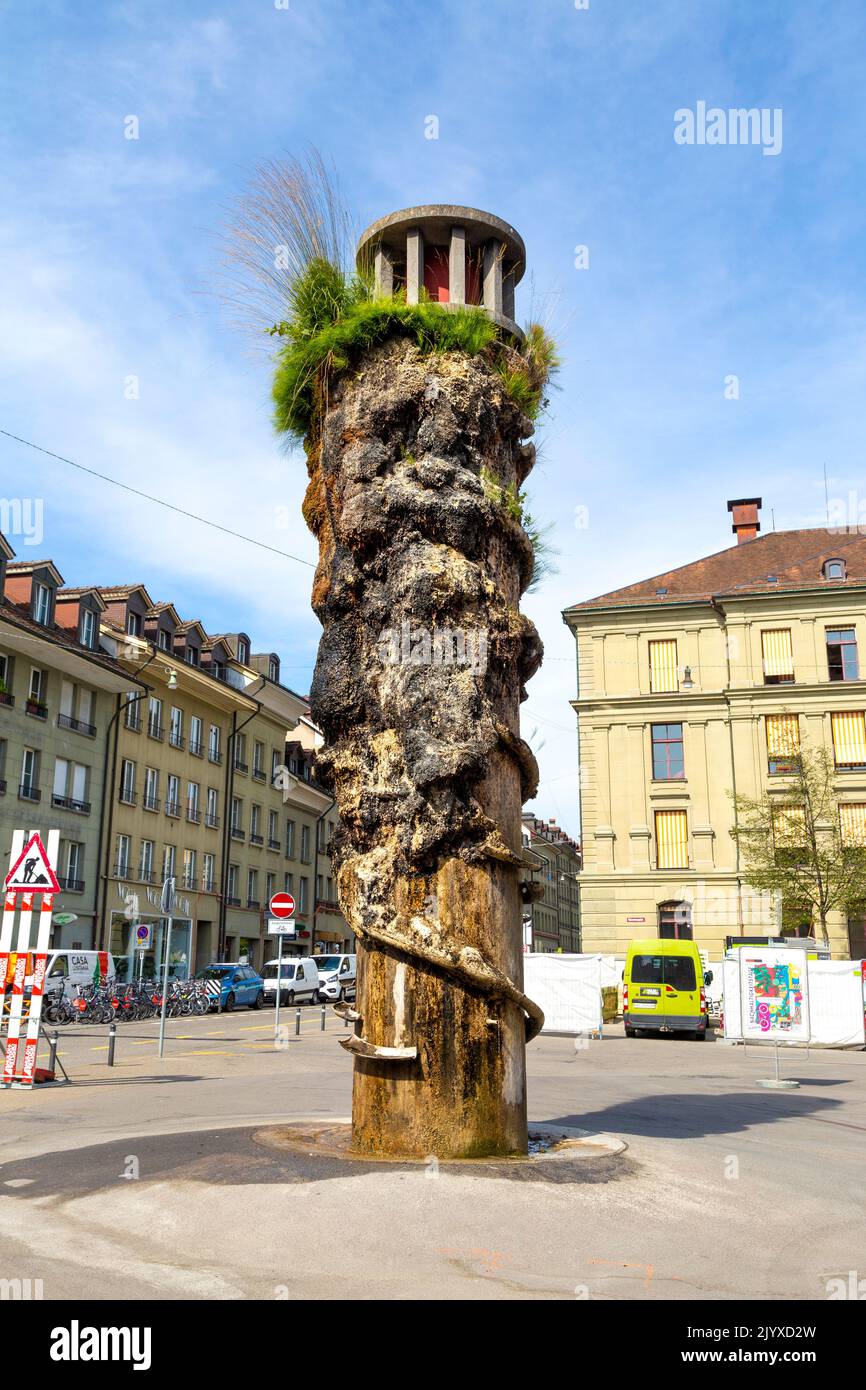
x: 774, y: 995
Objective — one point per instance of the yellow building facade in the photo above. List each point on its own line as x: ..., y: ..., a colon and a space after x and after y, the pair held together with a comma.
x: 692, y: 687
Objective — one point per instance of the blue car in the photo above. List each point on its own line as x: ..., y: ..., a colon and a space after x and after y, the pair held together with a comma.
x: 230, y: 984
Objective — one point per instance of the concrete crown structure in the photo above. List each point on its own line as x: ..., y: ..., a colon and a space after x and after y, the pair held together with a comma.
x: 458, y: 255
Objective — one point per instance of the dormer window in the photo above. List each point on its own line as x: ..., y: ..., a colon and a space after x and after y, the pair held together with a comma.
x: 243, y: 651
x: 164, y: 639
x: 834, y: 569
x: 133, y: 624
x: 88, y: 628
x: 274, y: 669
x: 191, y: 656
x: 42, y: 604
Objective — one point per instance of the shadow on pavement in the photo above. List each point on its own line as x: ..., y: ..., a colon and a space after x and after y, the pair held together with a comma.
x: 688, y: 1116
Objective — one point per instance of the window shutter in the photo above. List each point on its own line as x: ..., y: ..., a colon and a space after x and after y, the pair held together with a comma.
x: 663, y: 665
x: 672, y: 840
x: 849, y: 738
x: 783, y: 735
x: 852, y: 818
x: 789, y: 826
x: 778, y: 653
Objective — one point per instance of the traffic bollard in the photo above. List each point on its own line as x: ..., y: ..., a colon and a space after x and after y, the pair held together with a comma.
x: 53, y: 1040
x: 297, y: 1023
x: 112, y: 1036
x: 324, y: 1006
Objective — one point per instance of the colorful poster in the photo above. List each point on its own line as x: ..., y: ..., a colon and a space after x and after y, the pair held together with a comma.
x: 774, y: 994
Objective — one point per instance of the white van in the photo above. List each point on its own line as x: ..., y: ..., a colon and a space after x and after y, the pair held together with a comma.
x: 66, y: 970
x: 337, y: 976
x: 299, y: 979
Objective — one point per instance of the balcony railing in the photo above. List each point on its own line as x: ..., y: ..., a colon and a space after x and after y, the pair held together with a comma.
x: 208, y: 885
x: 145, y: 875
x: 37, y: 708
x: 214, y: 755
x: 196, y: 747
x: 27, y: 792
x: 256, y: 839
x: 172, y: 808
x: 175, y: 738
x: 65, y: 721
x: 259, y: 774
x: 126, y: 795
x: 193, y: 814
x: 155, y: 730
x: 238, y: 832
x: 254, y: 903
x: 150, y: 803
x: 240, y: 766
x: 233, y: 902
x: 212, y: 819
x: 68, y: 803
x: 133, y: 723
x: 189, y: 881
x: 7, y: 698
x: 273, y: 844
x: 72, y: 885
x: 121, y: 868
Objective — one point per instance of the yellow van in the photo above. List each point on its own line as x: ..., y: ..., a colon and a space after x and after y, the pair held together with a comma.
x: 663, y: 989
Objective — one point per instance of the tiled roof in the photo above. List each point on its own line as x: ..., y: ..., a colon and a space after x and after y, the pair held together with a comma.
x: 21, y: 618
x: 779, y: 560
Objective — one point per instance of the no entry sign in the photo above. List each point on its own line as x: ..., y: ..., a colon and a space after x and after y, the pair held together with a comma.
x: 282, y: 905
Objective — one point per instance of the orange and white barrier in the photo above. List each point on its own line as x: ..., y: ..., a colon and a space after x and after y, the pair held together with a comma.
x: 12, y: 1076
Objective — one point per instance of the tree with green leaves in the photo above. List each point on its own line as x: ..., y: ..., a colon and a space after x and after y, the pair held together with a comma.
x: 800, y: 843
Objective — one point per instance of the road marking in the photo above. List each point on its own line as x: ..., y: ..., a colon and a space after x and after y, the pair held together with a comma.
x: 256, y: 1028
x: 214, y: 1052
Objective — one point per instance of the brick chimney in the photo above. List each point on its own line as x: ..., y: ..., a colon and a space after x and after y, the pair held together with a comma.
x: 745, y: 517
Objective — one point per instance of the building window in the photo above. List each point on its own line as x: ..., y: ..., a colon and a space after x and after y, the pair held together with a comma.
x: 154, y: 717
x: 164, y: 639
x: 168, y: 855
x: 290, y: 839
x: 663, y: 666
x: 172, y: 796
x: 290, y: 884
x: 191, y: 655
x: 121, y: 868
x: 852, y: 823
x: 237, y: 816
x: 133, y: 624
x: 213, y: 743
x: 778, y: 656
x: 274, y: 669
x: 146, y: 871
x: 842, y: 664
x: 192, y: 797
x: 305, y: 844
x: 175, y: 727
x: 151, y: 789
x: 834, y: 569
x: 789, y: 833
x: 303, y: 894
x: 252, y: 888
x: 131, y: 714
x: 672, y: 840
x: 849, y: 738
x: 189, y: 868
x: 667, y: 746
x: 127, y: 782
x: 783, y: 742
x: 88, y: 628
x: 675, y: 921
x: 208, y: 871
x: 243, y: 651
x: 30, y: 774
x: 212, y: 813
x: 42, y: 604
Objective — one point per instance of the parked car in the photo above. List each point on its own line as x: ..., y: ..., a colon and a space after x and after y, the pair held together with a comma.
x: 299, y: 979
x: 664, y: 989
x: 238, y: 984
x: 337, y: 976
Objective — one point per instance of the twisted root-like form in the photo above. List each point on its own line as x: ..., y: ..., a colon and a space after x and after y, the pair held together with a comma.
x: 415, y: 466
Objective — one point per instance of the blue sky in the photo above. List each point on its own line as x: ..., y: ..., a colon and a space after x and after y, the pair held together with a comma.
x: 705, y: 262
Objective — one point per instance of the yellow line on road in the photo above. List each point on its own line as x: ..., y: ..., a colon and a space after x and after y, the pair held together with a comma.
x: 214, y: 1052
